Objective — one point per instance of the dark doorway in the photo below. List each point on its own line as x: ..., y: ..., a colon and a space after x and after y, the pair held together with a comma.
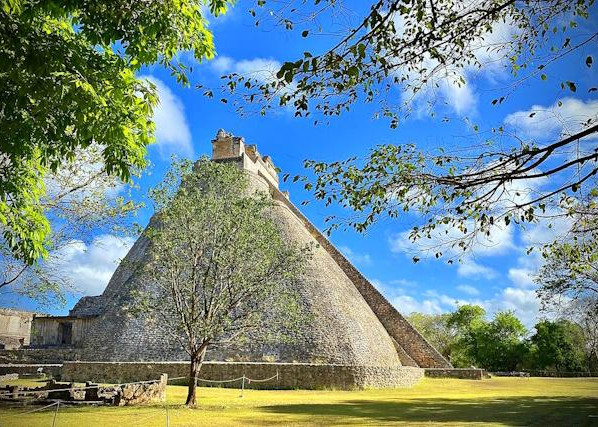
x: 65, y: 333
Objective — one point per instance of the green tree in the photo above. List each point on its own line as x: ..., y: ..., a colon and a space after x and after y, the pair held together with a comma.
x: 570, y: 271
x: 560, y: 346
x: 80, y: 201
x: 398, y: 51
x: 435, y: 328
x: 217, y: 263
x: 411, y: 46
x: 67, y: 82
x: 465, y: 322
x: 500, y: 344
x: 496, y: 345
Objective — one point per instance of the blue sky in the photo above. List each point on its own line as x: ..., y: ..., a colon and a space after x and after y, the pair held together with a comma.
x: 498, y: 275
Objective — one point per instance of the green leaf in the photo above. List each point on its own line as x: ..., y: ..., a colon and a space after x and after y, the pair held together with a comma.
x: 589, y: 61
x: 571, y: 86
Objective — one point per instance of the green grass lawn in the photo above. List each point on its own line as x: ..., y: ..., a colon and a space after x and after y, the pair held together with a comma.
x: 498, y: 401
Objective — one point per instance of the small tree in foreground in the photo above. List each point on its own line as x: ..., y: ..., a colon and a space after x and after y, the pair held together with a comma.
x: 217, y: 263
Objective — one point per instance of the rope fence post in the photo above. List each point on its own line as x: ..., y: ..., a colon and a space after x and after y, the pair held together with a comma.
x: 243, y: 386
x: 55, y: 413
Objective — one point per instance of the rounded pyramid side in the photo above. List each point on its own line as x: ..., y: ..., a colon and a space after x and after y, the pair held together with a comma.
x: 341, y: 328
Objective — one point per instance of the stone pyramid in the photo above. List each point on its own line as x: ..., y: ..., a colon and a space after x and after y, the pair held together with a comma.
x: 351, y: 323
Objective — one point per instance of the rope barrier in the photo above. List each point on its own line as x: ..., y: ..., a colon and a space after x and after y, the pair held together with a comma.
x: 242, y: 378
x: 264, y: 380
x: 139, y: 421
x: 32, y: 411
x: 261, y: 380
x: 8, y: 393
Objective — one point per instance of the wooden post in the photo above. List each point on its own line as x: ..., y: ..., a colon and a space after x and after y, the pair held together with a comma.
x: 55, y: 413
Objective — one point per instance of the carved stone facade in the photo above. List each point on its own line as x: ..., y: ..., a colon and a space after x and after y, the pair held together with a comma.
x: 60, y: 331
x: 15, y: 328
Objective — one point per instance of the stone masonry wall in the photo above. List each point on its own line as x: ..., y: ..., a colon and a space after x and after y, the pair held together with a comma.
x: 15, y: 327
x: 413, y: 343
x: 52, y: 370
x: 290, y: 375
x: 461, y: 373
x: 39, y: 355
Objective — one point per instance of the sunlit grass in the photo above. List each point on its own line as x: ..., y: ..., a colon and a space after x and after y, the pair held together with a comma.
x: 498, y: 401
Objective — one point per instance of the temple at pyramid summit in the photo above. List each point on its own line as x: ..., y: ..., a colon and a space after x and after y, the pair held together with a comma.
x: 354, y: 337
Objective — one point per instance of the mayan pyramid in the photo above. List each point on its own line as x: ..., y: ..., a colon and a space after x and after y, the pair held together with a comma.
x: 351, y: 323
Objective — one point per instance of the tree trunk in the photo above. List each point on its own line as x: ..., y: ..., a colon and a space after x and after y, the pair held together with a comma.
x: 194, y: 368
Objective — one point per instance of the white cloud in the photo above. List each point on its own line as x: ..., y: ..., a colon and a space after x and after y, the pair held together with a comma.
x: 443, y: 237
x: 223, y: 64
x: 556, y: 226
x: 489, y: 50
x: 261, y: 69
x: 546, y: 122
x: 467, y: 267
x: 403, y: 283
x: 469, y: 290
x: 461, y: 98
x: 407, y: 304
x: 356, y: 258
x: 452, y: 85
x: 523, y: 302
x: 172, y: 130
x: 90, y: 266
x: 522, y: 277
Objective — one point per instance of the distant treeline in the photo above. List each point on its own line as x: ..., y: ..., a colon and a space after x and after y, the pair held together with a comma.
x: 467, y: 337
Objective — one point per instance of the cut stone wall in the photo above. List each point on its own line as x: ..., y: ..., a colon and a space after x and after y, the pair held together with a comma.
x: 39, y: 355
x: 15, y: 328
x: 87, y: 306
x: 52, y: 370
x: 140, y: 393
x: 461, y: 373
x: 410, y: 340
x: 290, y: 375
x: 47, y: 331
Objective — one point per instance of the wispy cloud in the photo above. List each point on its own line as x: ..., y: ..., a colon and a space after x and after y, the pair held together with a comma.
x: 564, y: 117
x: 356, y: 258
x: 469, y: 290
x: 261, y: 69
x: 172, y: 130
x: 89, y: 266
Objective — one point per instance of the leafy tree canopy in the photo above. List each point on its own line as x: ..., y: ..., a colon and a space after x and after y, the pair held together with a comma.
x: 402, y: 50
x: 502, y: 343
x: 80, y: 201
x: 67, y: 82
x: 408, y: 45
x: 559, y: 345
x: 571, y: 268
x: 219, y: 266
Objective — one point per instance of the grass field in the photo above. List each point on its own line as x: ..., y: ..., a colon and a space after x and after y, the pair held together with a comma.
x: 498, y: 401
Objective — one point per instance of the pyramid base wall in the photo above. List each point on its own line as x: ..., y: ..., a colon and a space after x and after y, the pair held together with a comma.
x: 290, y: 375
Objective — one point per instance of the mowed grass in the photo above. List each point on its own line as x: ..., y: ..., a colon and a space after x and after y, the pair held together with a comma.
x: 497, y: 401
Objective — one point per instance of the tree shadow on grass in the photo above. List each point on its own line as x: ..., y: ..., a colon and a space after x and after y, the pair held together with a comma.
x: 509, y: 411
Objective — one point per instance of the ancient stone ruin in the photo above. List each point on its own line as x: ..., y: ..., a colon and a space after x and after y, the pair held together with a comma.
x: 352, y: 327
x: 136, y: 393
